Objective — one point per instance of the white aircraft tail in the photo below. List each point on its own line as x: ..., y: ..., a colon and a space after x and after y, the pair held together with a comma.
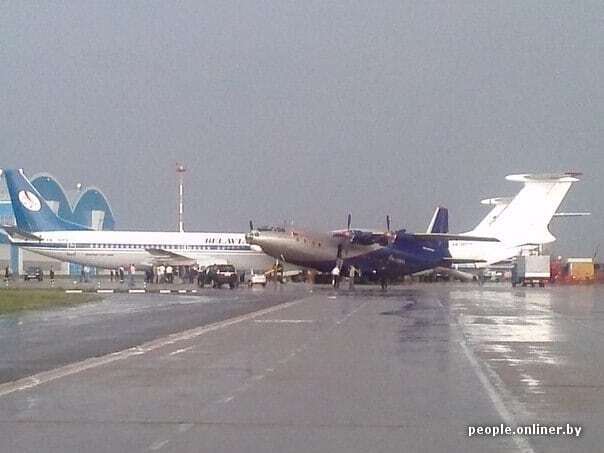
x: 524, y: 219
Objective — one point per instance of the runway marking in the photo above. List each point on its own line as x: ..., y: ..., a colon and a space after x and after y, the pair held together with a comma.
x: 95, y: 362
x: 159, y: 444
x: 284, y: 321
x: 521, y: 442
x: 183, y: 428
x: 259, y: 377
x: 350, y: 314
x: 180, y: 351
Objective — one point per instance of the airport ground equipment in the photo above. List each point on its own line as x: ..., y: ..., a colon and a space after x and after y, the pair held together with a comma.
x: 531, y: 270
x: 257, y: 279
x: 580, y: 269
x: 33, y: 273
x: 222, y: 274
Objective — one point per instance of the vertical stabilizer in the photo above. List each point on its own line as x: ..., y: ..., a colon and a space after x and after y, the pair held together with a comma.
x: 525, y: 218
x: 440, y: 221
x: 32, y: 213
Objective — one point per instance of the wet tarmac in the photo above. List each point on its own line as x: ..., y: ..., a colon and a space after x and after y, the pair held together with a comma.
x: 35, y: 341
x: 293, y: 371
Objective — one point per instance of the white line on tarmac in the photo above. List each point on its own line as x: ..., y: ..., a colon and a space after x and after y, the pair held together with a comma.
x: 506, y: 415
x: 95, y: 362
x: 521, y: 442
x: 158, y: 445
x: 259, y: 377
x: 180, y: 351
x: 284, y: 321
x: 185, y: 427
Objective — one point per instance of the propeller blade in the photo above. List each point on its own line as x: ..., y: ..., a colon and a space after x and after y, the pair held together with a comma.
x: 349, y: 221
x: 251, y: 225
x: 339, y: 255
x: 388, y: 223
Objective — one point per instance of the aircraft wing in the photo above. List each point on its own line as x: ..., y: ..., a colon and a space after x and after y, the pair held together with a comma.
x: 163, y: 256
x: 452, y: 237
x: 363, y: 237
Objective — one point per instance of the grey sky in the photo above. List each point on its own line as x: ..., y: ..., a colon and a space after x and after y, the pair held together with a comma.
x: 307, y: 110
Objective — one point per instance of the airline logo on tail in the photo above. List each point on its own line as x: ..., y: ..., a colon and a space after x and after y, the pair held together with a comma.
x: 32, y: 213
x: 29, y: 201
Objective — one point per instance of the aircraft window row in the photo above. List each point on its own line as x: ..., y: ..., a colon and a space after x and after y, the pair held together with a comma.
x: 162, y: 246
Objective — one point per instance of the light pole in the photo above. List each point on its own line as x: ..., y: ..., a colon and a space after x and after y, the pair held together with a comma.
x: 180, y: 170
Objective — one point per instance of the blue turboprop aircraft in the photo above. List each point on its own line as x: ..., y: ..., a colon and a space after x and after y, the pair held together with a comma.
x: 384, y: 254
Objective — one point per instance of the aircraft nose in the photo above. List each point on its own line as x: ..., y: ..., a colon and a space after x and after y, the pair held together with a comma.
x: 251, y: 237
x: 270, y: 243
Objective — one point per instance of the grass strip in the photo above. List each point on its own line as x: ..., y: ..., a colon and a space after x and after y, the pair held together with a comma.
x: 15, y: 300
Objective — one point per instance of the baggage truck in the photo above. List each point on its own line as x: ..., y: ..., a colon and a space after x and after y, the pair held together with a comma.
x: 531, y: 270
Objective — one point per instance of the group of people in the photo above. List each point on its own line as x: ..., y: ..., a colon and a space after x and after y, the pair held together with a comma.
x: 336, y: 276
x: 162, y: 274
x: 119, y: 274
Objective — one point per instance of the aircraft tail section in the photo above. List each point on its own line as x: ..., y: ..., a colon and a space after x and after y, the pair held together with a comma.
x: 32, y: 213
x: 440, y: 221
x: 524, y: 219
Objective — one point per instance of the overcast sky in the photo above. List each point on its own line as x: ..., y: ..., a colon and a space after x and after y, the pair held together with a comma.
x: 307, y: 110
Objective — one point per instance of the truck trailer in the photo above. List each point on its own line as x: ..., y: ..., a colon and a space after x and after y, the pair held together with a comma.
x: 531, y: 270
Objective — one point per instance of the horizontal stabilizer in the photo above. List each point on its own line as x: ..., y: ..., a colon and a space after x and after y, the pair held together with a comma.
x: 572, y: 214
x: 545, y: 177
x: 462, y: 260
x: 452, y: 237
x: 15, y: 233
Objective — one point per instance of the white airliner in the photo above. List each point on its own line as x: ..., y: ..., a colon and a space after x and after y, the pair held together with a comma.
x: 520, y: 223
x: 41, y: 231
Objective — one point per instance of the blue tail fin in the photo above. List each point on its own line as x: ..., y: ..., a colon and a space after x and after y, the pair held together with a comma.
x: 440, y: 221
x: 32, y: 213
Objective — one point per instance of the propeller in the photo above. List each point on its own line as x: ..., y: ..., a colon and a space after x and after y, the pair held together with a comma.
x: 349, y: 221
x: 389, y: 235
x: 251, y: 225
